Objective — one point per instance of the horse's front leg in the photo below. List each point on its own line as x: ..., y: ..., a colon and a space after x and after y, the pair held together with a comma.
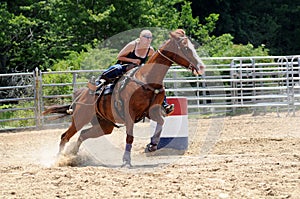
x: 155, y: 115
x: 128, y: 146
x: 152, y: 146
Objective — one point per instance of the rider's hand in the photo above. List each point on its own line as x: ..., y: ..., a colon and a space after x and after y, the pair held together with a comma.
x: 137, y: 61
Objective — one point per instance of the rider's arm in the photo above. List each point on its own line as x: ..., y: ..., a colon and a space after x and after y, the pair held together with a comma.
x: 125, y: 51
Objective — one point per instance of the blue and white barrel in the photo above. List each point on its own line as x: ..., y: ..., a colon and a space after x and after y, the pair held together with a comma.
x: 175, y: 129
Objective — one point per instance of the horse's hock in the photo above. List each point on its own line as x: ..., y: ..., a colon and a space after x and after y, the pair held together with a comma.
x: 175, y: 129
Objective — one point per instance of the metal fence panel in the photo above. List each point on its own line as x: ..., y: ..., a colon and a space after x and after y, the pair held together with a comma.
x: 18, y: 101
x: 229, y: 84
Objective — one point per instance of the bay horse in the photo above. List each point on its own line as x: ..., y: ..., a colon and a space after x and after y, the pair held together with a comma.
x: 137, y: 94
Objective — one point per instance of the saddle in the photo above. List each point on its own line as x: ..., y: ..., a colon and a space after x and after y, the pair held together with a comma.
x: 104, y: 89
x: 108, y: 87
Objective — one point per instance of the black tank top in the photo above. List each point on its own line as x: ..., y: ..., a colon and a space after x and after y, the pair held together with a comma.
x: 132, y: 55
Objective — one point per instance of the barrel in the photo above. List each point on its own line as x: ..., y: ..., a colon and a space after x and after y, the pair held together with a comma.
x: 175, y: 129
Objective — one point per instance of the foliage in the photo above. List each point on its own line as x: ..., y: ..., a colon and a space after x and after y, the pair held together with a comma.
x: 25, y: 117
x: 256, y: 21
x: 6, y: 114
x: 208, y: 44
x: 223, y: 46
x: 57, y: 79
x: 39, y: 32
x: 42, y: 34
x: 99, y: 59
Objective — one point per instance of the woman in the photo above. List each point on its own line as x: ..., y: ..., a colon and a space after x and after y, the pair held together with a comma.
x: 135, y: 53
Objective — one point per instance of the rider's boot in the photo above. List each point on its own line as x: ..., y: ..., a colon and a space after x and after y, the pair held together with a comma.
x: 168, y: 108
x: 99, y: 84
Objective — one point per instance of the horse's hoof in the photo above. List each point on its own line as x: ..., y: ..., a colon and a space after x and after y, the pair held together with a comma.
x: 151, y: 148
x: 126, y: 160
x: 126, y: 165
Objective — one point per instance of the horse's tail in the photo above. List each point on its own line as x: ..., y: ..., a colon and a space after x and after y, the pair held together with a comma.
x: 63, y: 109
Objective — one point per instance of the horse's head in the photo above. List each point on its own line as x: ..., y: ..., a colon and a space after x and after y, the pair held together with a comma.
x: 181, y: 51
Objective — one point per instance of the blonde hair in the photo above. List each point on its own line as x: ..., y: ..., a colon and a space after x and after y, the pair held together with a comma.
x: 145, y: 32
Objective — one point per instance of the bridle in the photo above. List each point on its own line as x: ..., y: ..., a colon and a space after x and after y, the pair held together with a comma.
x: 191, y: 67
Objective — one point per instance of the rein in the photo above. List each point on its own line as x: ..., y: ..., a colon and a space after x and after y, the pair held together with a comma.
x: 159, y: 52
x: 145, y: 86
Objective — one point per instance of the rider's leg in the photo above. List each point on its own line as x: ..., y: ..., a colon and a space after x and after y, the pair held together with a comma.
x: 110, y: 74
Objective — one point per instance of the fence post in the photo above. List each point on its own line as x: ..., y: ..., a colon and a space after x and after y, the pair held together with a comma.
x: 292, y: 95
x: 37, y: 96
x: 233, y: 84
x: 74, y: 82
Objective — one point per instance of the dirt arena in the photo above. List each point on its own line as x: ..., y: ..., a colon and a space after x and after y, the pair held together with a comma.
x: 233, y: 157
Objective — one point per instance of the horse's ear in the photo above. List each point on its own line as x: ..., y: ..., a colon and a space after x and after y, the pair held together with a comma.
x: 173, y: 35
x: 181, y: 32
x: 177, y: 33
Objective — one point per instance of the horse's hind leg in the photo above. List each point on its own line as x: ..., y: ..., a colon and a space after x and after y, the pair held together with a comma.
x: 65, y: 137
x: 78, y: 122
x: 71, y: 131
x: 97, y: 130
x: 83, y: 114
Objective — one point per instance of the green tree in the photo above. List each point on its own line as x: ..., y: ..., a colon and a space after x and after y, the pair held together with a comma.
x: 272, y: 23
x: 39, y: 33
x: 36, y: 33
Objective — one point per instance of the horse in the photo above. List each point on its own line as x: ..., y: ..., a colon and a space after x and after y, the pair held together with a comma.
x: 139, y: 93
